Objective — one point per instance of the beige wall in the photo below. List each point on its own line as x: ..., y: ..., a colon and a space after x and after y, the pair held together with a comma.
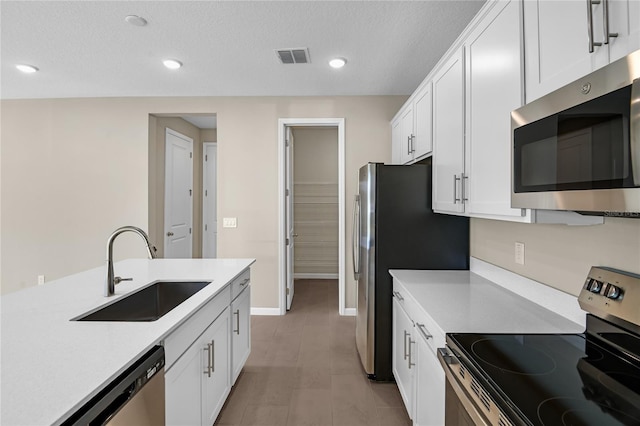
x: 559, y: 255
x: 73, y: 170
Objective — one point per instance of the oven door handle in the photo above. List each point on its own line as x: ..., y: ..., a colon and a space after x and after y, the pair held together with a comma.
x: 634, y: 131
x: 448, y: 361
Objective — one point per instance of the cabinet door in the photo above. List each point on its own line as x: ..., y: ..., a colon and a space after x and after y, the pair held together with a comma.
x: 422, y: 122
x: 402, y: 338
x: 240, y: 332
x: 557, y: 51
x: 624, y: 19
x: 182, y: 388
x: 406, y: 131
x: 494, y: 89
x: 429, y: 387
x: 215, y: 384
x: 396, y: 141
x: 448, y: 134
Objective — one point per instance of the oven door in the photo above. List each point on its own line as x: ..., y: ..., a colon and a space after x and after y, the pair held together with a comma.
x: 460, y: 407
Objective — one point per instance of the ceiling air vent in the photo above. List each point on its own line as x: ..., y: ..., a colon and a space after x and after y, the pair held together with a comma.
x: 293, y: 56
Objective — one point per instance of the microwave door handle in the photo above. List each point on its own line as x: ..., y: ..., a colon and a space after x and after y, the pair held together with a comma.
x: 634, y: 131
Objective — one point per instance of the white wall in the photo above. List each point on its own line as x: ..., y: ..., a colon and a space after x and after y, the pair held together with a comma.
x: 73, y: 170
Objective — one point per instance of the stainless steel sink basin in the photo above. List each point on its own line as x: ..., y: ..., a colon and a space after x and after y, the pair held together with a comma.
x: 148, y: 304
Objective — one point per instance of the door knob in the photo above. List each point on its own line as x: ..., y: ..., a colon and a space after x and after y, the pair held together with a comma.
x: 169, y: 234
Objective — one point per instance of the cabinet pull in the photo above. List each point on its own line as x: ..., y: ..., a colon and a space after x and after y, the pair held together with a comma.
x: 237, y: 314
x: 246, y: 280
x: 455, y: 189
x: 605, y: 18
x: 398, y: 296
x: 405, y: 344
x: 408, y: 145
x: 213, y: 354
x: 424, y: 332
x: 592, y: 43
x: 463, y: 189
x: 411, y: 342
x: 411, y: 138
x: 209, y: 350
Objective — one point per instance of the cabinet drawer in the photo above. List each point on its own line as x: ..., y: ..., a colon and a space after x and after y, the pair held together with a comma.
x: 179, y: 341
x: 240, y: 284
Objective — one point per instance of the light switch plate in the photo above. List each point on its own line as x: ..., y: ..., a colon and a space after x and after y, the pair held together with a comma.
x: 229, y: 222
x: 40, y: 279
x: 519, y: 253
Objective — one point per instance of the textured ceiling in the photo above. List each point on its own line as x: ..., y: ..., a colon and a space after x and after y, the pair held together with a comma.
x: 86, y: 49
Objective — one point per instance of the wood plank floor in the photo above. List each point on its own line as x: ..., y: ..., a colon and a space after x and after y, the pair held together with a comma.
x: 304, y: 370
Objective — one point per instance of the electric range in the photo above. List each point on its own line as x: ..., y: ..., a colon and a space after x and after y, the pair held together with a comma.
x: 554, y: 379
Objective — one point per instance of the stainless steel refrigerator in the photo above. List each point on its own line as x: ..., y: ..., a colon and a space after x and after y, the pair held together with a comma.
x: 396, y: 228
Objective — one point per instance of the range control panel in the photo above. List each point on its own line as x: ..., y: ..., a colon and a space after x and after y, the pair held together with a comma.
x: 608, y: 291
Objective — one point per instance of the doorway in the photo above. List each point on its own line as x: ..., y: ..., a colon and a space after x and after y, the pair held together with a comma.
x: 286, y: 208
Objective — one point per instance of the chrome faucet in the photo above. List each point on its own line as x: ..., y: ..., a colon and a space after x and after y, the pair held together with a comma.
x: 110, y: 286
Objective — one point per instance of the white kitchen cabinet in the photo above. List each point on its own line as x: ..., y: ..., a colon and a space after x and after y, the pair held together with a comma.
x: 494, y: 81
x: 197, y: 384
x: 448, y: 135
x: 215, y: 383
x: 429, y: 382
x: 240, y: 332
x: 403, y: 344
x: 411, y: 130
x: 557, y: 42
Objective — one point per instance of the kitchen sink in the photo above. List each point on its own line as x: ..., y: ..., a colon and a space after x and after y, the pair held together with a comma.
x: 147, y: 304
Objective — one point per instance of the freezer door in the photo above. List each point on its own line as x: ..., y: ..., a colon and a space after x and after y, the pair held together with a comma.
x: 365, y: 297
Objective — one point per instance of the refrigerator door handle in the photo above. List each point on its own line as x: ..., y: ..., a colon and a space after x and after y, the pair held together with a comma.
x: 355, y: 252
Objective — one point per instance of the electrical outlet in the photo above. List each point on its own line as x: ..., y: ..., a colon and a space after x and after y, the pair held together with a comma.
x: 520, y: 253
x: 229, y: 222
x: 40, y: 279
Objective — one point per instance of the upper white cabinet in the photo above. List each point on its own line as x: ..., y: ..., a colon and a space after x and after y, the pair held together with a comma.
x: 411, y: 132
x: 448, y: 131
x: 565, y: 40
x: 494, y: 80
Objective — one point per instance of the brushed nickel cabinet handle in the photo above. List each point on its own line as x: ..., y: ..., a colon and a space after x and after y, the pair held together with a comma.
x: 213, y: 354
x: 237, y: 314
x: 411, y: 342
x: 208, y: 369
x: 605, y: 19
x: 405, y: 344
x: 592, y: 43
x: 169, y: 234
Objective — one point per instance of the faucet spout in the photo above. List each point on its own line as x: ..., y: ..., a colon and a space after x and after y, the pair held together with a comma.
x: 112, y: 280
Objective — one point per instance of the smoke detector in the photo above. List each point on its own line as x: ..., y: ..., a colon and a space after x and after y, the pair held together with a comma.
x: 293, y: 56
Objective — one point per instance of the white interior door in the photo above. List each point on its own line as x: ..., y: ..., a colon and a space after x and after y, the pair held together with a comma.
x: 209, y: 206
x: 178, y: 193
x: 289, y: 215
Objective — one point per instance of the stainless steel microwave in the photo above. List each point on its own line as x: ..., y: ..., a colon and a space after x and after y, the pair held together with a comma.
x: 578, y: 148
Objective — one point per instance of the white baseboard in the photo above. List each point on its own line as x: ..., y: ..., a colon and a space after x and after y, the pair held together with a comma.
x: 310, y: 276
x: 265, y: 311
x: 349, y: 312
x: 546, y: 296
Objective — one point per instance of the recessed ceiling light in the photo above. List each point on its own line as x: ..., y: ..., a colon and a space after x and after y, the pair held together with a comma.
x: 136, y: 20
x: 172, y: 64
x: 28, y: 69
x: 337, y: 62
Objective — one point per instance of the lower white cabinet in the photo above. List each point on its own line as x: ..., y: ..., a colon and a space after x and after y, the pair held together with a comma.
x: 429, y: 383
x: 240, y: 332
x: 197, y: 385
x: 416, y: 368
x: 205, y: 354
x: 403, y: 343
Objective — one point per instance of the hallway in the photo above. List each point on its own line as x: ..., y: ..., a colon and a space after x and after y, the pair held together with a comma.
x: 304, y: 370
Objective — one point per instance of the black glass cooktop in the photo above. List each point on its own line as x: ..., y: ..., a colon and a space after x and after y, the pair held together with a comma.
x: 554, y: 379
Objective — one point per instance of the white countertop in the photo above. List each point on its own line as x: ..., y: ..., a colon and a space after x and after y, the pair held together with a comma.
x: 51, y: 365
x: 464, y: 302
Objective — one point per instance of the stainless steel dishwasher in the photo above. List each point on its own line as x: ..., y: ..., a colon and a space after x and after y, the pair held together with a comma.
x: 136, y: 397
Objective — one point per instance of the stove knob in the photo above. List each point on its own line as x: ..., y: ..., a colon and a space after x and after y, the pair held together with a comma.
x: 595, y: 286
x: 613, y: 292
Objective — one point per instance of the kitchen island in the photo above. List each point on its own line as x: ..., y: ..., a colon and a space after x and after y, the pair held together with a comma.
x: 50, y: 365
